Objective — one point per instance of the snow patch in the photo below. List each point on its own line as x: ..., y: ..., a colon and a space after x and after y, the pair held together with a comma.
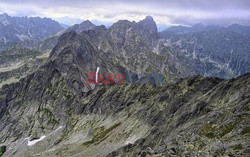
x: 131, y: 140
x: 58, y: 128
x: 97, y: 70
x: 31, y: 143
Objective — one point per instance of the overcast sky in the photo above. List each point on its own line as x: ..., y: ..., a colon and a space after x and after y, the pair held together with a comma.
x: 165, y: 12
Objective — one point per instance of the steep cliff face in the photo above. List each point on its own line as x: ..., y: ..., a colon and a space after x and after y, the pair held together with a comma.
x: 148, y: 29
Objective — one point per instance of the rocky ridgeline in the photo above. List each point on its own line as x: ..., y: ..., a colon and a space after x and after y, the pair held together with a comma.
x: 53, y: 112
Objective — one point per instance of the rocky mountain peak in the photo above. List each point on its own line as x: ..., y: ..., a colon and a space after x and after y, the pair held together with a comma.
x: 148, y: 29
x: 4, y: 18
x: 121, y: 23
x: 149, y: 23
x: 87, y: 23
x: 84, y: 26
x: 149, y: 18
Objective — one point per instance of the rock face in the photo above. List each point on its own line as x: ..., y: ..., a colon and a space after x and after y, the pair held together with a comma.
x: 22, y: 29
x: 54, y: 112
x: 148, y: 29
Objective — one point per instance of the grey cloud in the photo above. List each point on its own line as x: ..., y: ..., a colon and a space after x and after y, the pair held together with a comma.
x: 202, y: 4
x: 188, y: 12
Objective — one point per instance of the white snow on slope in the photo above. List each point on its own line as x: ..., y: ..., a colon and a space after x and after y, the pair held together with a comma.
x: 97, y: 70
x: 31, y: 143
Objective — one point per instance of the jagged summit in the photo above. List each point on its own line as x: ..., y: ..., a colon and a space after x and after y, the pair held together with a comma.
x: 121, y: 23
x: 149, y: 18
x: 148, y: 29
x: 85, y: 25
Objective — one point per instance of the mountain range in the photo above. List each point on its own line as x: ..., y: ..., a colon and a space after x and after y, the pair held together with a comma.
x: 23, y: 29
x: 217, y: 52
x: 201, y: 109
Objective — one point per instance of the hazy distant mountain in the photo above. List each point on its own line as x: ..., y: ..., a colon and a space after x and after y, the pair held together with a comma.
x: 50, y: 42
x: 20, y: 29
x: 243, y: 30
x: 184, y: 29
x: 85, y: 25
x: 208, y: 51
x: 64, y: 25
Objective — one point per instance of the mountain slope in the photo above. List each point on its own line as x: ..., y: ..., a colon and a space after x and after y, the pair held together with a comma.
x: 50, y: 42
x: 54, y: 112
x: 209, y: 114
x: 18, y: 63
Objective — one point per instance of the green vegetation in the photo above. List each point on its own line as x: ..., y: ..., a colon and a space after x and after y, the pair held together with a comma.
x: 237, y: 147
x: 101, y: 135
x: 53, y: 121
x: 18, y: 77
x: 46, y: 111
x: 208, y: 130
x: 227, y: 129
x: 19, y: 53
x: 59, y: 88
x: 211, y: 131
x: 245, y: 131
x: 2, y: 150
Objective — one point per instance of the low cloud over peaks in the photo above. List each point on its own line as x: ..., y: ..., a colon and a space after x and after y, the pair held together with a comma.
x: 165, y: 12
